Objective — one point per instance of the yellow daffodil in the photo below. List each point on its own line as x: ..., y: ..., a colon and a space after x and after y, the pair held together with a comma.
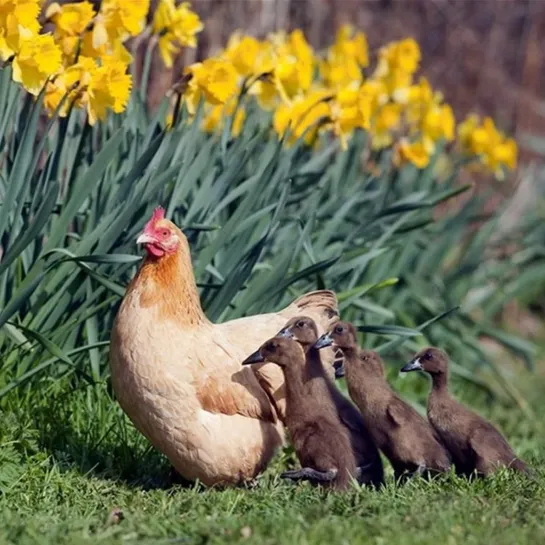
x: 495, y: 151
x: 283, y: 65
x: 256, y: 60
x: 403, y: 56
x: 406, y: 56
x: 75, y: 81
x: 340, y: 72
x: 96, y: 88
x: 293, y: 64
x: 416, y: 97
x: 71, y: 21
x: 266, y: 92
x: 177, y: 27
x: 118, y: 20
x: 303, y: 116
x: 354, y: 108
x: 114, y: 49
x: 437, y: 123
x: 38, y: 59
x: 18, y: 22
x: 304, y: 54
x: 373, y: 94
x: 215, y: 118
x: 465, y: 132
x: 349, y: 43
x: 412, y: 152
x: 386, y: 120
x: 54, y: 93
x: 504, y: 154
x: 345, y: 58
x: 250, y: 57
x: 215, y: 79
x: 109, y: 88
x: 397, y: 63
x: 346, y: 111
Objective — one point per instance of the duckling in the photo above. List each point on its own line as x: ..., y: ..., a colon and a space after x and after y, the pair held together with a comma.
x: 322, y: 446
x: 320, y: 385
x: 405, y: 438
x: 474, y: 444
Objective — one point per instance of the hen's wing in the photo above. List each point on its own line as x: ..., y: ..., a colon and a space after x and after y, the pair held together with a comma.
x: 223, y: 385
x: 249, y: 333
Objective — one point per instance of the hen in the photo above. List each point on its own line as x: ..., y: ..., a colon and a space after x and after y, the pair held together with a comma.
x: 179, y: 377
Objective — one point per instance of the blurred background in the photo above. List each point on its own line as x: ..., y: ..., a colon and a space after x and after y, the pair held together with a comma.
x: 487, y: 56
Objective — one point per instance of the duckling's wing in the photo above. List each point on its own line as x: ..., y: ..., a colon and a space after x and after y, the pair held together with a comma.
x: 397, y: 412
x: 490, y: 448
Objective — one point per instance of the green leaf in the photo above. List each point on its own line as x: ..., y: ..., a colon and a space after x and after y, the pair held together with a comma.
x: 398, y: 331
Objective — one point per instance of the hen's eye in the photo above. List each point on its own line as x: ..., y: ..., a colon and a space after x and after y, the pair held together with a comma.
x: 165, y: 233
x: 339, y: 329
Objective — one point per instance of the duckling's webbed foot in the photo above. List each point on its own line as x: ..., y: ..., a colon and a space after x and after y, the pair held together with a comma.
x: 420, y: 470
x: 309, y: 474
x: 361, y: 471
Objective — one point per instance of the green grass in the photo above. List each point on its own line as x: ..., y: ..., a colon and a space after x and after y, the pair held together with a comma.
x: 68, y: 459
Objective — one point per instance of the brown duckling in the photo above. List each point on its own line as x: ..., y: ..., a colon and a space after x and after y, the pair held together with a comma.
x: 322, y: 446
x: 405, y: 438
x: 474, y: 444
x: 320, y: 386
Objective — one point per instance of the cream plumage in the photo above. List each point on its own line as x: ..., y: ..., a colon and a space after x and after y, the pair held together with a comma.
x: 179, y: 377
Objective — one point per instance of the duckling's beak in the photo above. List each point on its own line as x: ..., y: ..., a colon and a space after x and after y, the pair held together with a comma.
x: 286, y: 332
x: 325, y: 340
x: 256, y: 357
x: 413, y: 365
x: 339, y: 369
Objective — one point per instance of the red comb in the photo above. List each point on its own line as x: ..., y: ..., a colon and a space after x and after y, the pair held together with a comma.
x: 158, y: 214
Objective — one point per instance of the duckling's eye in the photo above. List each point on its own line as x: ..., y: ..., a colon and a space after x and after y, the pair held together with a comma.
x: 300, y: 323
x: 339, y: 329
x: 427, y: 356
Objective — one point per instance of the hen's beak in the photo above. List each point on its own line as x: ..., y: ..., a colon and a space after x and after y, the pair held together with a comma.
x: 339, y: 369
x: 256, y: 357
x: 143, y: 238
x: 413, y: 365
x: 286, y: 332
x: 325, y: 340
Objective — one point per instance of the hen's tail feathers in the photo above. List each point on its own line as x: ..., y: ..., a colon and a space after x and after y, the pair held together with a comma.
x: 324, y: 300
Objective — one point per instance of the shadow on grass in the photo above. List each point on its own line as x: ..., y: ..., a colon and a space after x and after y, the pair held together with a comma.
x: 84, y: 428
